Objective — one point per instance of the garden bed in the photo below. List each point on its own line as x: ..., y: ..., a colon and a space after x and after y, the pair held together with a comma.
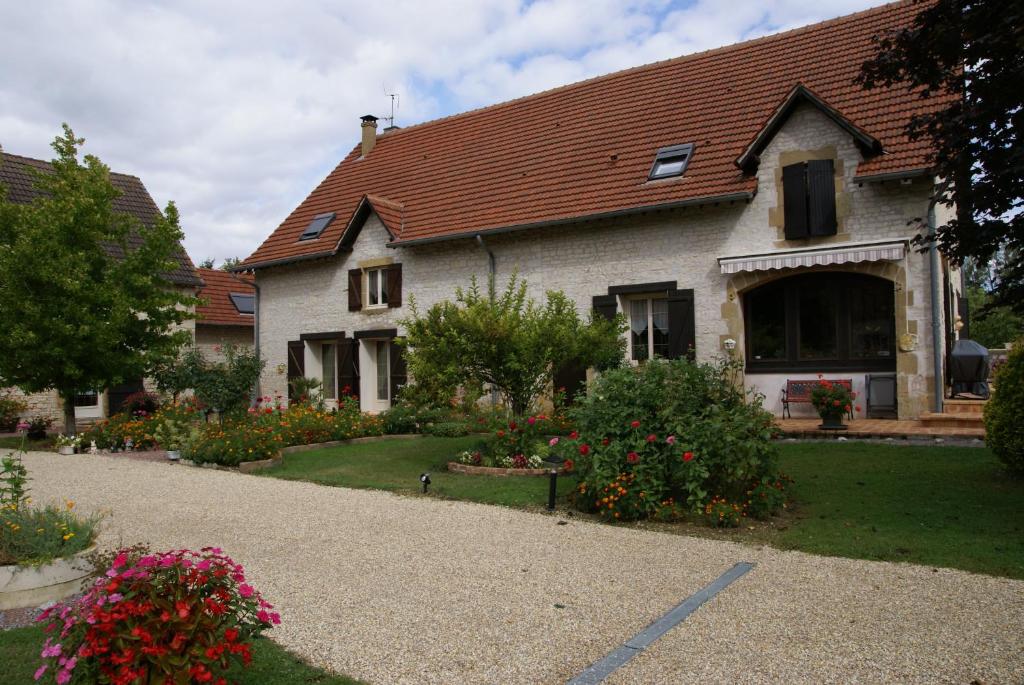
x: 495, y: 471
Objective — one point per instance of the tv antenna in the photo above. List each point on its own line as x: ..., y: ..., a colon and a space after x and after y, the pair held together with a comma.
x: 395, y: 102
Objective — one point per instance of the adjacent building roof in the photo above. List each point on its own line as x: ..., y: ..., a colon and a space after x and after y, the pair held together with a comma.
x: 134, y: 199
x: 585, y: 150
x: 218, y: 308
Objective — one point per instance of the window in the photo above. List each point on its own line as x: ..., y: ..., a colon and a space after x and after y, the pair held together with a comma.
x: 383, y: 375
x: 821, y: 322
x: 809, y: 199
x: 87, y: 398
x: 317, y: 226
x: 377, y: 287
x: 671, y: 161
x: 648, y: 328
x: 329, y: 363
x: 244, y: 302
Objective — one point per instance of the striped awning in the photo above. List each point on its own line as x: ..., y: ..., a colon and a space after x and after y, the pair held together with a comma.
x: 818, y: 256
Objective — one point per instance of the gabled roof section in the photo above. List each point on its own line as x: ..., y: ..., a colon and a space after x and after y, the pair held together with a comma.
x: 800, y: 94
x: 390, y: 214
x: 216, y: 308
x: 17, y: 177
x: 584, y: 150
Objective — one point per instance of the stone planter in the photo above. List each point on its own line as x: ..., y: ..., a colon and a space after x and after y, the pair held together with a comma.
x: 30, y: 586
x: 173, y: 455
x: 832, y: 423
x: 66, y: 449
x: 495, y: 471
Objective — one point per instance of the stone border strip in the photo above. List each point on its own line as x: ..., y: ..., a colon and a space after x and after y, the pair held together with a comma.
x: 618, y: 657
x: 351, y: 441
x: 471, y: 470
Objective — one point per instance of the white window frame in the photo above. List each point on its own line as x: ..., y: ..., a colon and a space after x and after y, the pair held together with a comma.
x: 380, y: 291
x: 628, y: 308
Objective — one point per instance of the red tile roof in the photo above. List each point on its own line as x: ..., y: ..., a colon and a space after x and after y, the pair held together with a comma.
x: 585, y: 149
x: 217, y: 308
x: 17, y: 178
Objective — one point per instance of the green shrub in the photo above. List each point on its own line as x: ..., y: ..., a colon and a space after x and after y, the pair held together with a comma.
x: 722, y: 513
x: 37, y: 535
x: 675, y: 431
x: 400, y: 419
x: 37, y: 427
x: 1004, y: 412
x: 11, y: 409
x: 447, y: 429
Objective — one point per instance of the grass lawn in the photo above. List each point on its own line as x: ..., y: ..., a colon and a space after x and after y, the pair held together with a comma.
x: 396, y: 465
x: 940, y: 506
x: 14, y: 442
x: 271, y: 664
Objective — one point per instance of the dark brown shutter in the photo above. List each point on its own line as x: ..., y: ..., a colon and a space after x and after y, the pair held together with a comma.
x: 605, y: 305
x: 394, y: 285
x: 296, y: 363
x: 348, y: 366
x: 821, y: 191
x: 682, y: 332
x: 355, y: 290
x: 573, y: 378
x: 794, y: 199
x: 398, y: 373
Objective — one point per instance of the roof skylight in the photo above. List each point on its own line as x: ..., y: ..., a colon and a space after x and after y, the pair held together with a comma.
x: 671, y: 161
x: 244, y: 302
x: 317, y: 226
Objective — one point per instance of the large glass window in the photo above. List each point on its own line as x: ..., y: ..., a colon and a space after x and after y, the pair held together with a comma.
x: 383, y: 370
x: 648, y: 328
x: 820, y: 322
x: 329, y: 353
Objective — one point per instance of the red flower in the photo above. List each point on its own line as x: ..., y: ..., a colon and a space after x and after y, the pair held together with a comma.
x: 501, y: 434
x: 687, y: 456
x: 568, y: 464
x: 512, y: 425
x: 652, y: 437
x: 847, y: 407
x: 584, y: 449
x: 634, y: 424
x: 836, y: 403
x: 573, y: 435
x: 531, y: 420
x: 857, y: 407
x: 605, y: 441
x: 632, y: 457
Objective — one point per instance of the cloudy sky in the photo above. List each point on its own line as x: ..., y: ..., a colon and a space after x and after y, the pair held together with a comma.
x: 236, y: 109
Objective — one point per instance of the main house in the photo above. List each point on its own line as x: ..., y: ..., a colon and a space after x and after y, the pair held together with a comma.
x: 18, y: 179
x: 750, y: 200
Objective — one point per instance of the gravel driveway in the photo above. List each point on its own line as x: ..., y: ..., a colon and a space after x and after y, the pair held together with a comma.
x: 414, y: 590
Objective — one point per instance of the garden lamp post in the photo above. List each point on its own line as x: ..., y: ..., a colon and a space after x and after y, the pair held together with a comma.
x: 425, y: 479
x: 556, y: 464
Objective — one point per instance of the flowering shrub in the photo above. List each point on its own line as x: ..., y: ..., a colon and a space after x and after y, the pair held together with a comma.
x: 832, y: 400
x: 722, y: 513
x: 11, y: 408
x: 516, y: 444
x: 767, y: 497
x: 37, y: 427
x: 232, y: 443
x: 172, y: 617
x: 681, y: 430
x: 141, y: 403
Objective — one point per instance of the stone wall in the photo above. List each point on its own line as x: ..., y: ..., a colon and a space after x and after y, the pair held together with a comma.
x: 210, y: 340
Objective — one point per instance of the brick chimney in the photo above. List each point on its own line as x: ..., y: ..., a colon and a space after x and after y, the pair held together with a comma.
x: 369, y: 127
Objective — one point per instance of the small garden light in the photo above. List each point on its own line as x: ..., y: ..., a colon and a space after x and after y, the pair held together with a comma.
x: 556, y: 464
x: 425, y: 479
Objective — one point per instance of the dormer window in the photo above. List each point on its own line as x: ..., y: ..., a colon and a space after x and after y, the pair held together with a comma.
x: 317, y: 226
x: 244, y: 302
x: 671, y: 161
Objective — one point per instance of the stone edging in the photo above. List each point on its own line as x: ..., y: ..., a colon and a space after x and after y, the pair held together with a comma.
x: 26, y: 586
x: 351, y: 441
x: 495, y: 471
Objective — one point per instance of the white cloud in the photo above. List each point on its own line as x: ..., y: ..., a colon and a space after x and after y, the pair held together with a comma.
x: 237, y: 109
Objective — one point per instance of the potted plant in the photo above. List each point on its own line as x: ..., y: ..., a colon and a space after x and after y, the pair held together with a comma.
x: 68, y: 444
x: 833, y: 402
x: 173, y: 434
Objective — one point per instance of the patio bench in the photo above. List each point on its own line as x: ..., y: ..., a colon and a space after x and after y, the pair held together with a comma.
x: 799, y: 392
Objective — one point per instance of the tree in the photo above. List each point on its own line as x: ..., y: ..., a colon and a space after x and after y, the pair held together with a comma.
x: 83, y: 306
x: 230, y: 263
x: 967, y: 54
x: 206, y: 263
x: 224, y: 387
x: 505, y: 340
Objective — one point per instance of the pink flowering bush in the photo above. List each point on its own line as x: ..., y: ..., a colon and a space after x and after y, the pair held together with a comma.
x: 170, y: 617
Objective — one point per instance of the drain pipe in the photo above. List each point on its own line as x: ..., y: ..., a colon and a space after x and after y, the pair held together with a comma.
x: 937, y: 351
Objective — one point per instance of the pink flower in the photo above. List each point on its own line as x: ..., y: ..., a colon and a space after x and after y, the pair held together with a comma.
x: 245, y: 590
x: 531, y: 420
x: 115, y: 597
x: 63, y: 677
x: 40, y: 672
x: 52, y: 650
x: 671, y: 439
x: 553, y: 441
x: 23, y: 426
x: 120, y: 560
x: 275, y: 618
x: 263, y: 616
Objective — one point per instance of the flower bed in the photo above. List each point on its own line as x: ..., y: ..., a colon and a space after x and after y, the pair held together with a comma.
x: 518, y: 444
x: 457, y: 467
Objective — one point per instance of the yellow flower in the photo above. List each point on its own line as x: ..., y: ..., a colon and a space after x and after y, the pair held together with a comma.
x: 70, y: 505
x: 40, y: 530
x: 68, y: 536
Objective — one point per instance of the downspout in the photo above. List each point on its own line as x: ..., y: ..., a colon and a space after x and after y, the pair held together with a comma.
x: 490, y: 291
x: 934, y: 269
x: 255, y: 330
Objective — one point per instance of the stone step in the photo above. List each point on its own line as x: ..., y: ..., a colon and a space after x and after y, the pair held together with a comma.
x: 964, y: 406
x: 952, y: 420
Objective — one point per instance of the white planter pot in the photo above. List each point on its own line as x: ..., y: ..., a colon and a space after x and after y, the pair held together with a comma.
x: 66, y: 449
x: 29, y: 586
x: 173, y: 455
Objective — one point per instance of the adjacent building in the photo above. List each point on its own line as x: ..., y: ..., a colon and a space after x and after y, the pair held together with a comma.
x: 226, y: 312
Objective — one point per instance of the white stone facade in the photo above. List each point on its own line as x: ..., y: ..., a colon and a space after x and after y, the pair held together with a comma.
x: 584, y: 259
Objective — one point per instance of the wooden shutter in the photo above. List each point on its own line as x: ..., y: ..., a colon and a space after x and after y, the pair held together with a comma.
x: 682, y: 332
x: 355, y: 290
x: 348, y: 367
x: 394, y: 285
x: 605, y: 305
x: 794, y: 200
x: 573, y: 377
x: 397, y: 368
x: 821, y: 192
x: 296, y: 363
